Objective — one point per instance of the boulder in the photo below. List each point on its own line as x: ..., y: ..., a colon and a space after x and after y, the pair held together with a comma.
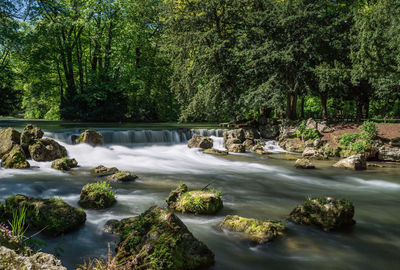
x: 261, y: 151
x: 326, y: 213
x: 29, y: 136
x: 389, y: 154
x: 198, y: 141
x: 8, y: 138
x: 122, y: 176
x: 235, y: 148
x: 251, y: 134
x: 91, y: 137
x: 216, y: 152
x: 101, y: 171
x: 260, y: 231
x: 311, y: 124
x: 313, y: 153
x: 287, y: 132
x: 355, y: 162
x: 64, y: 164
x: 304, y: 163
x: 158, y: 239
x: 15, y: 159
x: 53, y: 216
x: 292, y: 145
x: 196, y: 202
x: 235, y: 134
x: 323, y: 127
x: 97, y: 196
x: 248, y: 144
x: 46, y: 150
x: 38, y: 261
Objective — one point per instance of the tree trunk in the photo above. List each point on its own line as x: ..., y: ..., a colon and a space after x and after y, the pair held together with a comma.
x: 324, y: 107
x: 302, y: 107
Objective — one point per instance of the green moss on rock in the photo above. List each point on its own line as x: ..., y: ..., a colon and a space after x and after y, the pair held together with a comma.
x: 46, y: 150
x: 91, y: 137
x: 259, y: 231
x: 101, y: 171
x: 29, y: 136
x: 216, y: 152
x: 198, y: 141
x: 8, y: 138
x: 196, y: 202
x: 157, y: 239
x: 53, y: 215
x: 122, y: 176
x: 64, y: 164
x: 326, y: 213
x: 97, y: 196
x: 15, y: 159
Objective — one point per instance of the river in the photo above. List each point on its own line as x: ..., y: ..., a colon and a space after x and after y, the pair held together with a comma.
x: 251, y: 185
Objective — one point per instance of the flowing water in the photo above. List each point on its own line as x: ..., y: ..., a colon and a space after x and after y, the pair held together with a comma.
x: 252, y: 186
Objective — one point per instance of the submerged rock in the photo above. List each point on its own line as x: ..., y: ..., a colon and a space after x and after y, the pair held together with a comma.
x: 91, y: 137
x: 196, y: 202
x: 214, y: 151
x: 53, y: 216
x: 47, y: 150
x: 29, y: 136
x: 103, y: 171
x: 10, y: 260
x: 256, y: 230
x: 64, y: 164
x: 158, y: 239
x: 97, y: 196
x: 15, y: 159
x: 198, y: 141
x: 8, y: 138
x: 122, y: 176
x: 326, y: 213
x: 304, y: 163
x: 355, y: 162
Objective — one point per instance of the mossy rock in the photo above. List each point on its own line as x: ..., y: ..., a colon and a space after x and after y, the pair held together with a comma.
x: 304, y: 163
x: 97, y: 196
x: 46, y: 150
x: 101, y: 171
x: 234, y: 145
x: 216, y: 152
x: 64, y: 164
x: 198, y: 141
x: 122, y: 176
x: 91, y: 137
x: 29, y: 136
x: 53, y: 216
x: 8, y: 138
x: 326, y: 213
x: 196, y: 201
x: 158, y: 239
x: 255, y: 230
x: 15, y: 159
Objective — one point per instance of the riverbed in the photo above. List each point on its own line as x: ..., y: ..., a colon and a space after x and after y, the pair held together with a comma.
x: 266, y: 187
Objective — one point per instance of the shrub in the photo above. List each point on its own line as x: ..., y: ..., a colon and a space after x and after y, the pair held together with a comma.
x: 369, y: 131
x: 306, y: 133
x: 348, y: 138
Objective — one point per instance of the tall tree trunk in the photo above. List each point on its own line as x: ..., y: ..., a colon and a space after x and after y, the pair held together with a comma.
x: 288, y: 106
x: 302, y: 108
x: 324, y: 107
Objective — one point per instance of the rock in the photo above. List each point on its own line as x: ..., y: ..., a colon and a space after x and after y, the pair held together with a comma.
x: 261, y: 152
x: 29, y: 136
x: 389, y: 154
x: 8, y: 138
x: 53, y: 215
x: 326, y: 213
x: 111, y: 226
x: 323, y: 127
x: 292, y: 145
x: 9, y: 241
x: 251, y: 134
x: 46, y: 150
x: 312, y: 153
x: 196, y: 202
x: 236, y: 148
x: 318, y: 143
x: 15, y: 159
x: 64, y: 164
x: 256, y: 230
x: 355, y: 162
x: 214, y: 151
x: 10, y: 260
x: 97, y: 196
x: 101, y: 171
x: 122, y: 176
x: 395, y: 142
x: 248, y: 144
x: 304, y: 163
x: 311, y: 124
x: 198, y: 141
x: 235, y: 134
x: 91, y: 137
x: 287, y: 132
x: 158, y: 239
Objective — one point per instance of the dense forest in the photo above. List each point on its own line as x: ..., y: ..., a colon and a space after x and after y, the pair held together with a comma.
x: 195, y: 60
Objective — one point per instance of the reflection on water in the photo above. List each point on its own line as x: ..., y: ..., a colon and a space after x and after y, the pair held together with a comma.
x: 252, y: 186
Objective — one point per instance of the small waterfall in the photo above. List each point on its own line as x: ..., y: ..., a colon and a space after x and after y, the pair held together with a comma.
x: 208, y: 132
x: 218, y: 143
x: 273, y: 147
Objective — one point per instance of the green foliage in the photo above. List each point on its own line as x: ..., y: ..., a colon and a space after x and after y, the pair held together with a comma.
x: 369, y: 131
x: 360, y: 142
x: 306, y: 133
x: 347, y: 139
x: 103, y: 188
